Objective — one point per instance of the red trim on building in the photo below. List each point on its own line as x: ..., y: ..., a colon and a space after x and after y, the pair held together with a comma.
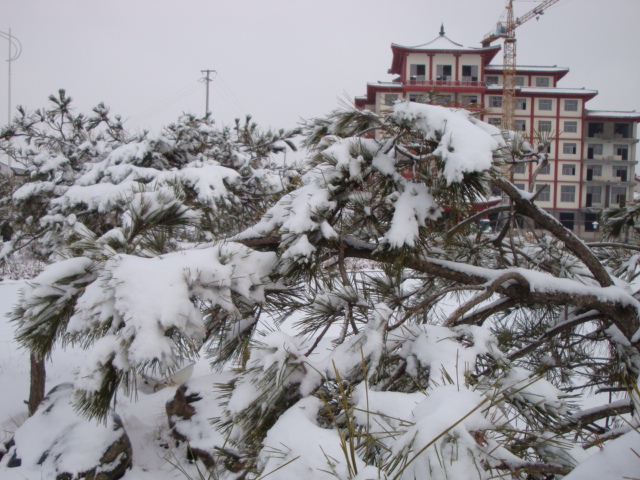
x: 399, y: 52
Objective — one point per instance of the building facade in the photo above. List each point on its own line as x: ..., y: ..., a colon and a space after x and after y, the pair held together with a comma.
x: 592, y: 154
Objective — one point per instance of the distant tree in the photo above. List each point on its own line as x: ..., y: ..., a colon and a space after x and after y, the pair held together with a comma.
x: 413, y: 343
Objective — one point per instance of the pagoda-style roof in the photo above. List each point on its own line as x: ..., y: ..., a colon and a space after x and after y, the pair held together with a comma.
x: 440, y: 44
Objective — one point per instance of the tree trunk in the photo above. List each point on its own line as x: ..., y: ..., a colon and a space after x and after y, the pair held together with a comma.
x: 38, y: 377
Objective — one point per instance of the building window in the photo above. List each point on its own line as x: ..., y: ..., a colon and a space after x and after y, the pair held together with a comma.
x: 594, y: 150
x: 569, y: 148
x: 594, y: 195
x: 567, y: 219
x: 520, y: 125
x: 495, y: 121
x: 595, y: 129
x: 594, y: 171
x: 568, y: 169
x: 571, y: 127
x: 495, y: 102
x: 621, y: 151
x: 469, y: 73
x: 545, y: 104
x: 542, y: 81
x: 519, y: 168
x: 620, y: 172
x: 390, y: 98
x: 546, y: 170
x: 545, y: 195
x: 521, y: 103
x: 591, y: 223
x: 444, y: 72
x: 468, y: 99
x: 621, y: 130
x: 442, y: 99
x: 520, y: 81
x: 418, y: 72
x: 418, y: 97
x: 520, y: 186
x: 571, y: 105
x: 491, y: 80
x: 567, y: 193
x: 544, y: 126
x: 619, y: 195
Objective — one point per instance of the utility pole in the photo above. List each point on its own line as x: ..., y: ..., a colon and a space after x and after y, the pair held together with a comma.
x: 207, y: 80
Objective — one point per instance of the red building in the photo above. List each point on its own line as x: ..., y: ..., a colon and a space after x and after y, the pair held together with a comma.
x: 592, y: 155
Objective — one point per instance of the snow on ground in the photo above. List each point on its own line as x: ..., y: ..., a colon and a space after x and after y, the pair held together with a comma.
x: 154, y: 455
x: 145, y: 419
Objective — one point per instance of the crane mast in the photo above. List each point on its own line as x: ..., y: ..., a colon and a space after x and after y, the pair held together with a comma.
x: 509, y: 79
x: 508, y: 33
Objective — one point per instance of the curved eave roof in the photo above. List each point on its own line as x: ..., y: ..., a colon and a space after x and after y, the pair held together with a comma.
x: 389, y: 87
x: 441, y: 44
x: 612, y: 115
x: 548, y: 91
x: 557, y: 72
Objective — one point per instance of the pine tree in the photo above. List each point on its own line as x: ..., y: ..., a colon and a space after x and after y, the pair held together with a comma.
x: 408, y: 341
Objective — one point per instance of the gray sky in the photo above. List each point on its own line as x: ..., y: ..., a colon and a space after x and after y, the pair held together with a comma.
x: 282, y: 60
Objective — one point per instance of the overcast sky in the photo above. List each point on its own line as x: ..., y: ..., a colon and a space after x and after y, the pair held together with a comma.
x: 282, y: 60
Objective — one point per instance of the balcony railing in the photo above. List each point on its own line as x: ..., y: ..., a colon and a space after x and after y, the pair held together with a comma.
x: 607, y: 160
x: 609, y: 136
x: 419, y: 82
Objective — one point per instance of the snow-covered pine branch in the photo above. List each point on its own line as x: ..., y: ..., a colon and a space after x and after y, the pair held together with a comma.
x: 357, y: 309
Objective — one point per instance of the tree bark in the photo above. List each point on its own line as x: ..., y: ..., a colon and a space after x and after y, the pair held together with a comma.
x: 37, y: 386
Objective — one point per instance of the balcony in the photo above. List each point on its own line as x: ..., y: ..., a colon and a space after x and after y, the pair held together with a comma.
x: 608, y: 160
x: 609, y: 181
x: 611, y: 137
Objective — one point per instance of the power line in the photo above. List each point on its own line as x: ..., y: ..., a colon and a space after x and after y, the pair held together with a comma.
x: 224, y: 96
x: 170, y: 100
x: 224, y: 85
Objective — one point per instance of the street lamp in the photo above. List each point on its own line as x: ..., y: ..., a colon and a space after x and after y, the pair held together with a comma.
x: 15, y: 49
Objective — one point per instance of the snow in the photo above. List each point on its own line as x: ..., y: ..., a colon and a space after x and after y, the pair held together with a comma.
x: 144, y: 417
x: 138, y: 313
x: 285, y: 455
x: 413, y: 208
x: 74, y: 445
x: 198, y: 428
x: 528, y: 68
x: 149, y: 296
x: 619, y: 459
x: 612, y: 113
x: 464, y: 146
x: 418, y: 419
x: 542, y: 90
x: 441, y: 42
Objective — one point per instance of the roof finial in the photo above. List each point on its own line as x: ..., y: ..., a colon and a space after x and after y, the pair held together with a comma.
x: 442, y: 30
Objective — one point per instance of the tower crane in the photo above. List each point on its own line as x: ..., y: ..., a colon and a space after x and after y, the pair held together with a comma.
x: 508, y: 32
